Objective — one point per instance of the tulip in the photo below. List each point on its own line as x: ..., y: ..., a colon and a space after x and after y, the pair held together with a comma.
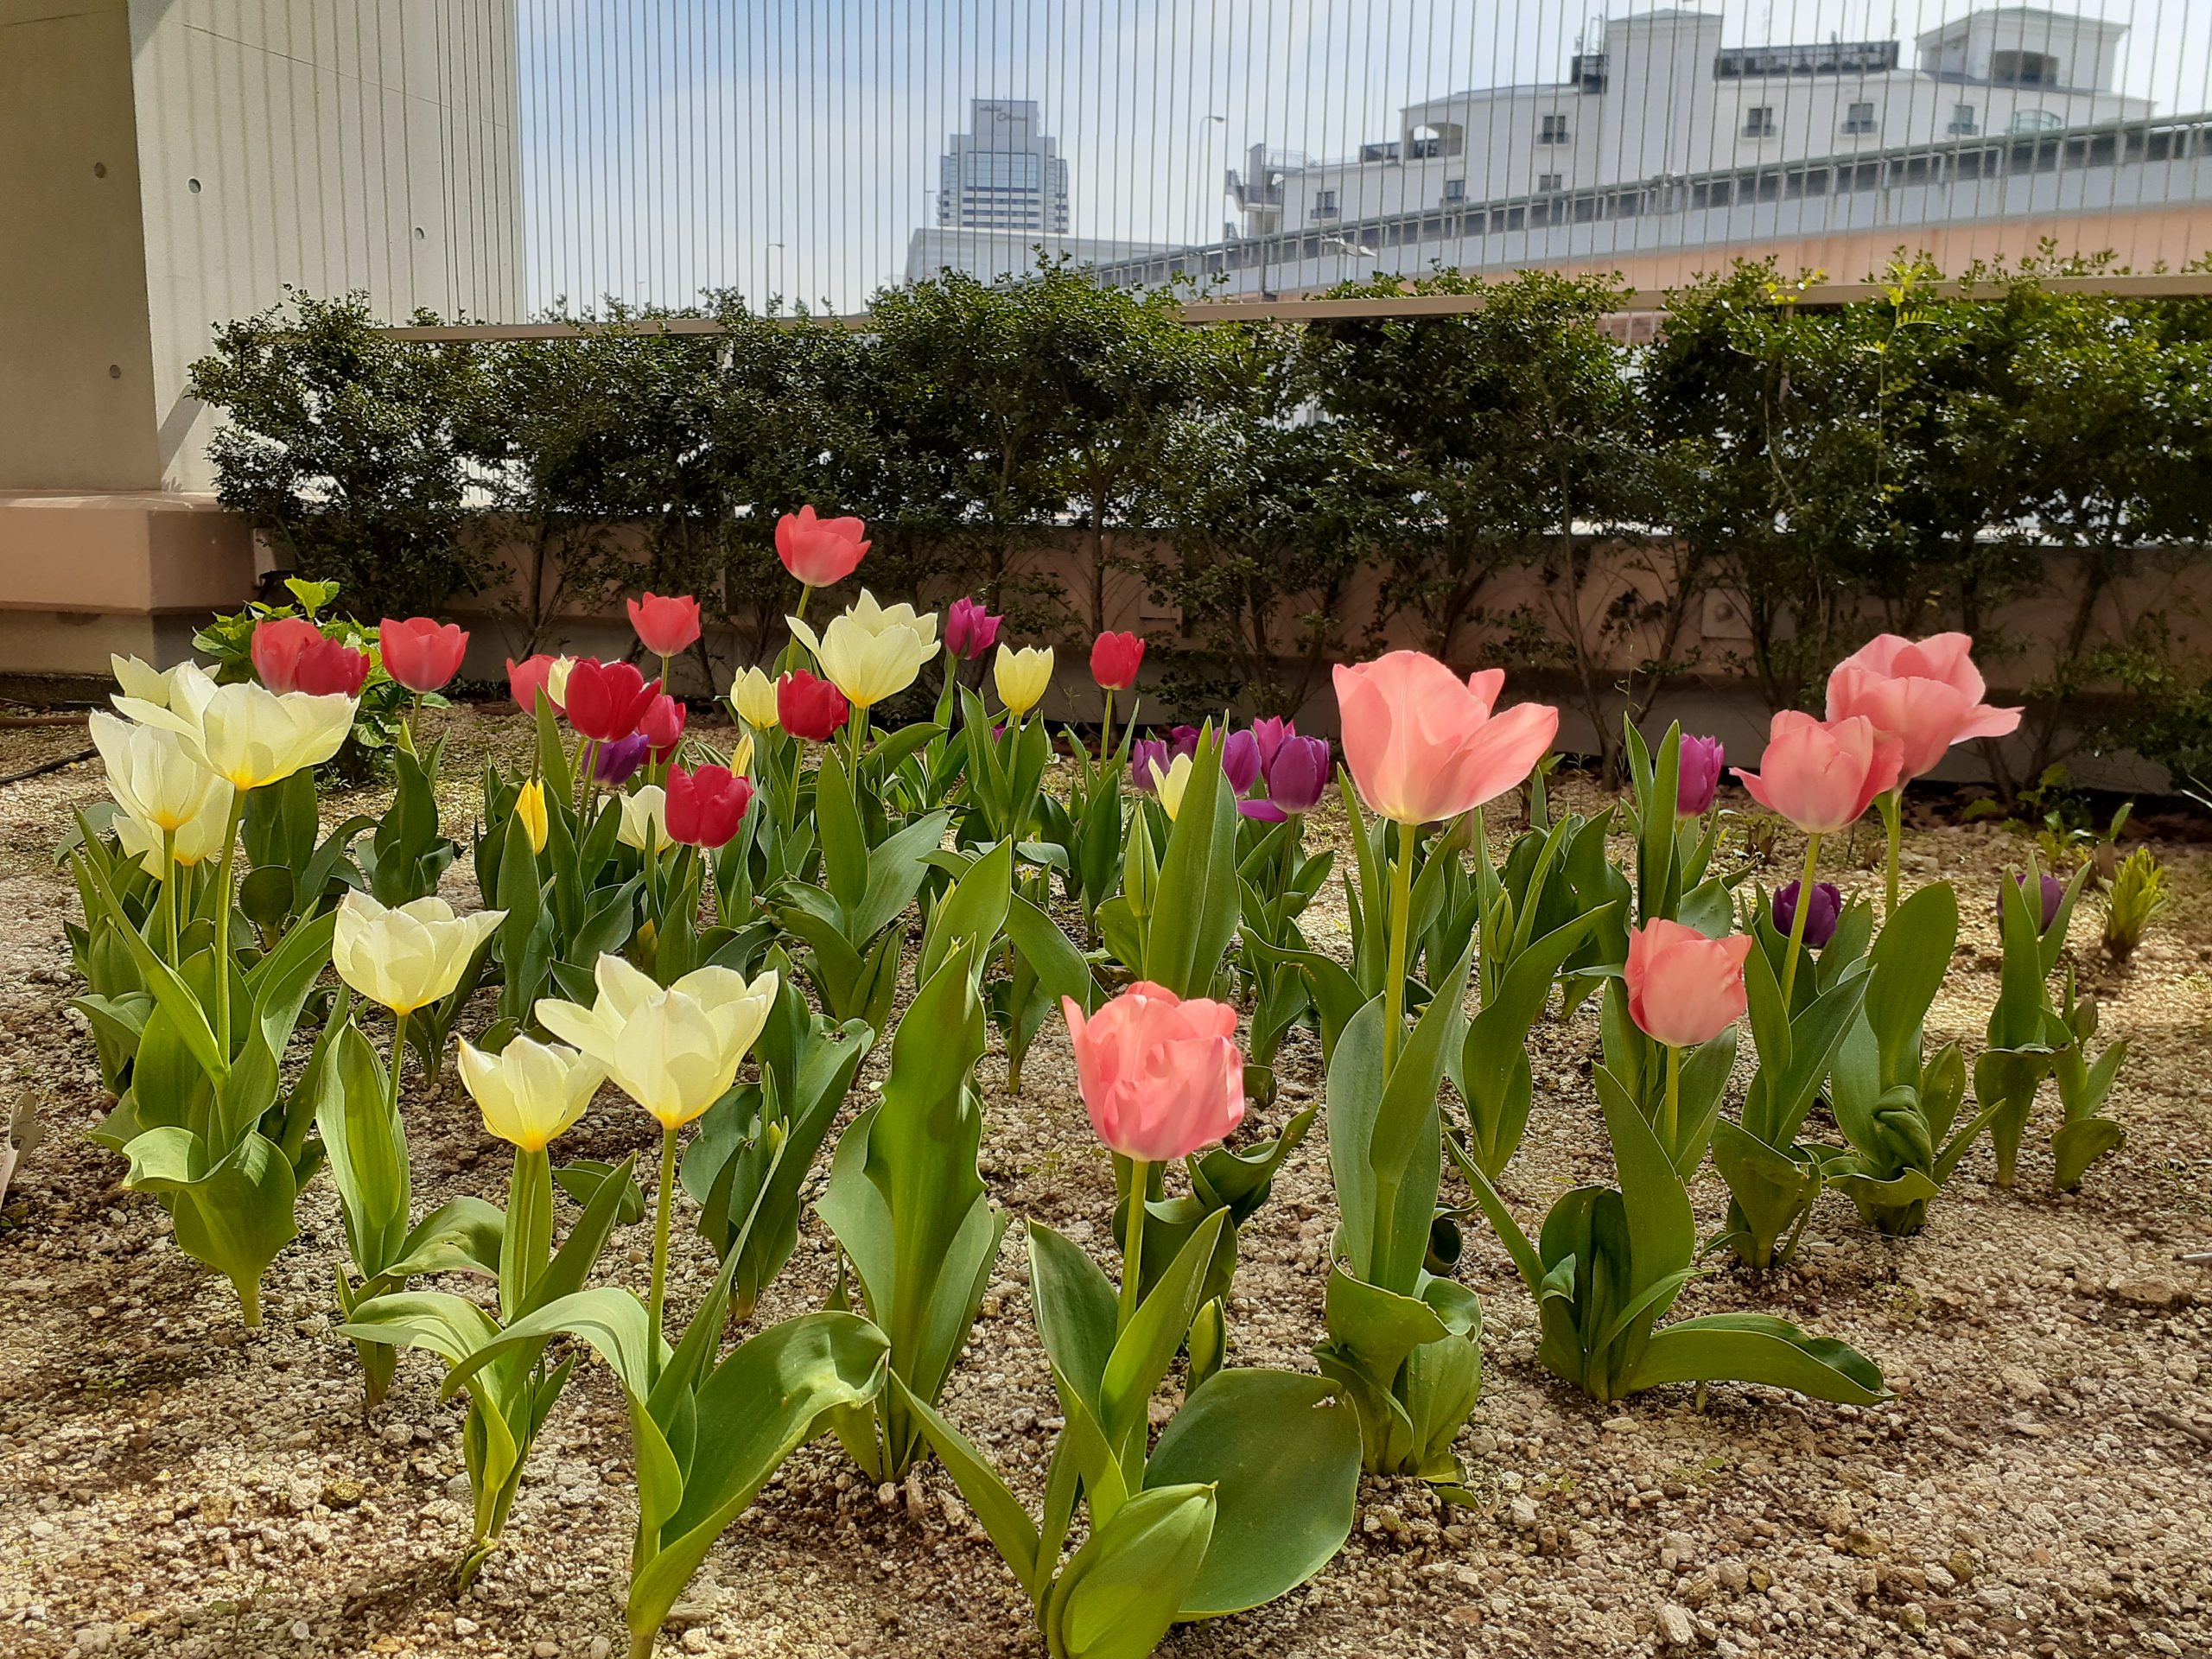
x: 969, y: 629
x: 1821, y: 776
x: 605, y: 701
x: 1146, y: 756
x: 1261, y: 811
x: 820, y: 552
x: 530, y: 807
x: 1240, y: 761
x: 526, y: 679
x: 174, y: 810
x: 142, y: 680
x: 332, y: 669
x: 1170, y: 785
x: 1115, y: 660
x: 662, y: 725
x: 253, y: 737
x: 665, y: 625
x: 1298, y: 773
x: 1925, y: 694
x: 754, y: 697
x: 1160, y: 1077
x: 1683, y: 989
x: 420, y: 654
x: 557, y: 681
x: 2054, y: 894
x: 645, y: 818
x: 277, y: 645
x: 1424, y: 745
x: 1820, y: 920
x: 1699, y: 777
x: 810, y: 708
x: 1183, y: 739
x: 705, y: 807
x: 1022, y: 676
x: 675, y: 1051
x: 529, y: 1092
x: 1268, y: 733
x: 409, y: 957
x: 615, y: 764
x: 871, y: 651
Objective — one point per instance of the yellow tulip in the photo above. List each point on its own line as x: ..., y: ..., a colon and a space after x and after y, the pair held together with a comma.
x: 173, y: 701
x: 530, y: 807
x: 871, y: 652
x: 161, y: 787
x: 529, y: 1092
x: 675, y: 1051
x: 1021, y: 676
x: 1170, y: 785
x: 142, y: 680
x: 557, y: 681
x: 754, y: 697
x: 645, y: 818
x: 409, y: 957
x: 740, y: 755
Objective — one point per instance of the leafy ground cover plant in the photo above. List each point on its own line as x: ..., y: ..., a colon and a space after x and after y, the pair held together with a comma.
x: 2137, y: 897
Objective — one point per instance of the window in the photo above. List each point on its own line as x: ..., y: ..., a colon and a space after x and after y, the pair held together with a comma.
x: 1549, y: 180
x: 1962, y: 120
x: 1455, y: 190
x: 1859, y: 118
x: 2035, y: 121
x: 1001, y: 171
x: 1325, y: 204
x: 2023, y: 68
x: 1552, y: 130
x: 1758, y: 121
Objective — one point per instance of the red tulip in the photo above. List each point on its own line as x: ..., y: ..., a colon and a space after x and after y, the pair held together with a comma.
x: 1925, y: 694
x: 606, y: 700
x: 705, y: 807
x: 420, y: 654
x: 665, y: 626
x: 1422, y: 744
x: 662, y: 725
x: 1115, y: 660
x: 1160, y: 1077
x: 1821, y: 775
x: 1684, y: 989
x: 526, y: 679
x: 820, y: 552
x: 810, y: 708
x: 327, y: 668
x: 277, y: 643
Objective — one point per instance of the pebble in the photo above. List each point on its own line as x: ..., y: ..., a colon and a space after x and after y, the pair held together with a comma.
x: 2150, y: 1292
x: 1677, y: 1628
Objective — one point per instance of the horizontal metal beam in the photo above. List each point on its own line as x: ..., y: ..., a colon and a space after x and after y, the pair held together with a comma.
x: 2164, y: 285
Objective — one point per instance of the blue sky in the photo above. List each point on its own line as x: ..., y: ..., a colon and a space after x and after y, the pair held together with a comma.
x: 790, y: 145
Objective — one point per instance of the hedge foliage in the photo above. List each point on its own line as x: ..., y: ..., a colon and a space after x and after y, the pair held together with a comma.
x: 1905, y: 463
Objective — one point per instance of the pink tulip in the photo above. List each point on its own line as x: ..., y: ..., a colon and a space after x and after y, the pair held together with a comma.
x: 820, y: 552
x: 1423, y: 746
x: 665, y: 624
x: 1684, y: 989
x: 1821, y: 775
x: 1927, y: 694
x: 1160, y: 1077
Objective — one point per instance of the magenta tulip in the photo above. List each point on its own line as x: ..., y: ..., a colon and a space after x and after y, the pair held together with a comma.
x: 969, y: 629
x: 1298, y: 773
x: 1240, y: 761
x: 1699, y: 779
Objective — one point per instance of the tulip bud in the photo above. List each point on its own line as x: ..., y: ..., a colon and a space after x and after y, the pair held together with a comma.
x: 616, y: 763
x: 1698, y: 779
x: 530, y: 807
x: 969, y: 629
x: 754, y: 697
x: 1169, y: 785
x: 1115, y: 660
x: 1022, y: 677
x: 2054, y: 894
x: 1240, y: 761
x: 1820, y: 920
x: 665, y: 624
x: 1140, y: 870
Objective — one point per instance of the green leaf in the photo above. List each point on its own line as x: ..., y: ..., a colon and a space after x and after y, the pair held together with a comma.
x: 1120, y: 1592
x: 1004, y: 1519
x: 234, y: 1214
x: 174, y: 997
x: 1756, y: 1348
x: 1194, y: 914
x: 844, y: 845
x: 1144, y: 1349
x: 1075, y: 1308
x: 1282, y: 1455
x: 367, y: 1147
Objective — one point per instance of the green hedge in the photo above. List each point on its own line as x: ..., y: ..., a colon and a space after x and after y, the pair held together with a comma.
x: 1906, y: 462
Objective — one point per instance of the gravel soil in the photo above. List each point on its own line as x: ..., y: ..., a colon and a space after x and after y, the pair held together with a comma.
x: 173, y: 1484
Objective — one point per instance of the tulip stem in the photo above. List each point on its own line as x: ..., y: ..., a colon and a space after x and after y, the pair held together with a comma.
x: 661, y: 1248
x: 169, y: 892
x: 1132, y: 1240
x: 1892, y: 808
x: 1797, y: 921
x: 1671, y: 1120
x: 1106, y: 730
x: 1393, y: 986
x: 223, y: 925
x: 399, y: 1059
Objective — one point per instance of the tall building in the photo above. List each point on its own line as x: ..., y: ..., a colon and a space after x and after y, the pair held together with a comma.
x: 1004, y: 173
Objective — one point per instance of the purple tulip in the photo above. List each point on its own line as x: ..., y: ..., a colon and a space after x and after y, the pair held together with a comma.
x: 2054, y: 894
x: 615, y: 761
x: 1144, y: 755
x: 1264, y: 811
x: 1699, y: 777
x: 969, y: 629
x: 1182, y: 740
x: 1298, y: 773
x: 1268, y: 733
x: 1240, y: 761
x: 1820, y: 920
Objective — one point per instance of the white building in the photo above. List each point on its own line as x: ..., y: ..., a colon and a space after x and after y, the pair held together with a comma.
x: 1659, y: 97
x: 1004, y: 173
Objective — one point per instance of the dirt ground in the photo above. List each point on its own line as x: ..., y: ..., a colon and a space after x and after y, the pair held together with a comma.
x: 172, y: 1484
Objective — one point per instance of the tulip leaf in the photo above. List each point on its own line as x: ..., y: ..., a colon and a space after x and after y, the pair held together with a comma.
x: 895, y: 870
x: 1009, y: 1523
x: 1119, y: 1593
x: 1059, y: 967
x: 1075, y: 1308
x: 366, y: 1144
x: 1148, y: 1344
x: 1757, y: 1348
x: 234, y: 1214
x: 175, y: 998
x: 1194, y: 910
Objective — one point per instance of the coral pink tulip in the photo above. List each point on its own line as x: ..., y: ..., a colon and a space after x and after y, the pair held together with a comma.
x: 1684, y: 989
x: 1423, y: 745
x: 662, y: 725
x: 1699, y: 776
x: 665, y: 624
x: 1160, y: 1077
x: 1925, y: 693
x: 277, y: 645
x: 326, y: 669
x: 526, y: 679
x: 1820, y: 775
x: 420, y: 653
x: 820, y: 552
